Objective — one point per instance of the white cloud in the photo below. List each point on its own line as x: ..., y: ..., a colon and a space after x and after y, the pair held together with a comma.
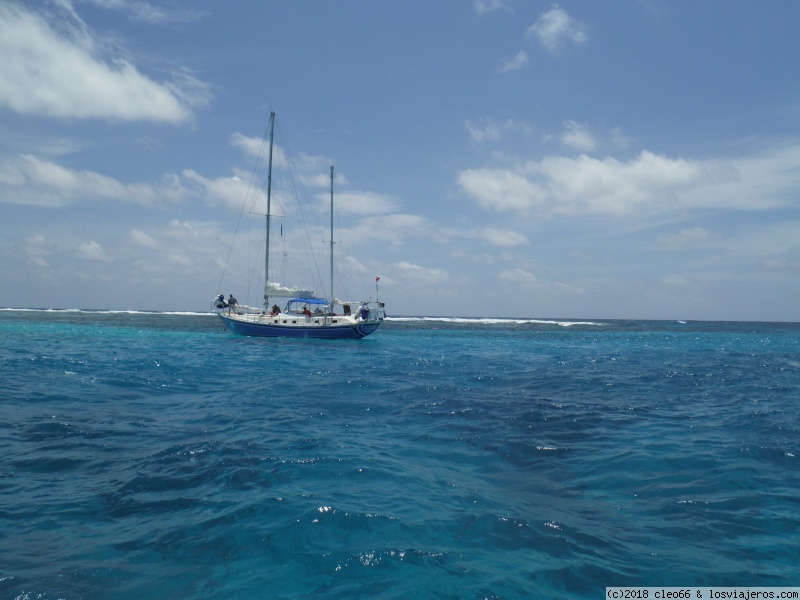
x: 36, y: 239
x: 776, y: 240
x: 312, y: 170
x: 646, y: 184
x: 187, y: 232
x: 36, y: 248
x: 420, y: 273
x: 555, y: 28
x: 501, y: 189
x: 519, y: 61
x: 609, y: 186
x: 493, y: 131
x: 364, y: 203
x: 30, y: 180
x: 393, y: 229
x: 180, y: 260
x: 258, y: 147
x: 503, y: 237
x: 92, y: 251
x: 483, y: 7
x: 619, y: 139
x: 58, y: 71
x: 490, y: 132
x: 33, y: 181
x: 140, y: 238
x: 578, y: 137
x: 760, y: 181
x: 145, y: 12
x: 230, y: 191
x: 518, y: 276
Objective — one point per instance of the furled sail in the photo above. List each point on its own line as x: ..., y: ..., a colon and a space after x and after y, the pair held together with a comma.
x: 274, y: 289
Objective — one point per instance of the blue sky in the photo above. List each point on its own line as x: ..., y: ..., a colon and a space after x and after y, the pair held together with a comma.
x: 631, y: 159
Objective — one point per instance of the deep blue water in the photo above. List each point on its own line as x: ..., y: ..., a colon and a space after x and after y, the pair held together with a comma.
x: 158, y: 456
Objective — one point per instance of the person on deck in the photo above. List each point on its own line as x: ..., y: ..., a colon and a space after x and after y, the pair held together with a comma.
x: 275, y: 310
x: 231, y: 303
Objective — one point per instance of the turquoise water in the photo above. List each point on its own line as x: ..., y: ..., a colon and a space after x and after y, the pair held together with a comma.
x: 158, y: 456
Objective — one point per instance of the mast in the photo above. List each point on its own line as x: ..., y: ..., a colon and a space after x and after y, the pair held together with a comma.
x: 331, y: 238
x: 269, y: 198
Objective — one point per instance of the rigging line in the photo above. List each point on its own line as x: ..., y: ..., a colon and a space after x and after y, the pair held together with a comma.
x: 342, y: 281
x: 340, y: 262
x: 259, y: 259
x: 278, y: 188
x: 256, y: 191
x: 294, y: 179
x: 256, y: 168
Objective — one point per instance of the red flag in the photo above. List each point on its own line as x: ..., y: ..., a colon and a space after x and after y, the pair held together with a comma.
x: 377, y: 279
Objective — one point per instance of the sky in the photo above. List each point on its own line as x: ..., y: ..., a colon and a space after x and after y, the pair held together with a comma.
x: 637, y: 159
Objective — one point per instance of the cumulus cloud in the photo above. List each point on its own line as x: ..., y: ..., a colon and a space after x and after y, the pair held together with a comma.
x: 502, y: 189
x: 646, y: 184
x: 556, y: 28
x: 52, y: 67
x: 30, y: 180
x: 34, y: 181
x: 610, y: 186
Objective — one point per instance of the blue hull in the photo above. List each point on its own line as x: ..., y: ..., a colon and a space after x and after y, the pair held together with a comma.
x: 331, y: 332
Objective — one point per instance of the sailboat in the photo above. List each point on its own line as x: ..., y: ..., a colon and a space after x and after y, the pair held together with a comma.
x: 305, y: 314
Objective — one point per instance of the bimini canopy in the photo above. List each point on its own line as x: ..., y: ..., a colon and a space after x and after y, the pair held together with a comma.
x: 309, y: 300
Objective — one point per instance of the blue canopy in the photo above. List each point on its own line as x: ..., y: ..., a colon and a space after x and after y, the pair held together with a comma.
x: 310, y: 300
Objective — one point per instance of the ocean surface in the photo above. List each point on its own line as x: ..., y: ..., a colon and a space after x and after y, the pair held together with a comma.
x: 148, y: 455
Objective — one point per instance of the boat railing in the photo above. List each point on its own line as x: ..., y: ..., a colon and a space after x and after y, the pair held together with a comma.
x: 374, y: 311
